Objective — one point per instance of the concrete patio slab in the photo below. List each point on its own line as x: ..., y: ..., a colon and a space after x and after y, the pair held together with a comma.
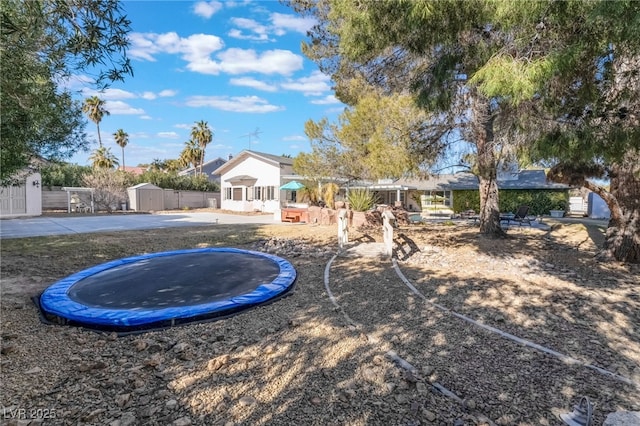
x: 43, y: 225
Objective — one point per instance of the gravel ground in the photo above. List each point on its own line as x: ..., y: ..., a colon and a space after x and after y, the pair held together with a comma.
x: 300, y: 361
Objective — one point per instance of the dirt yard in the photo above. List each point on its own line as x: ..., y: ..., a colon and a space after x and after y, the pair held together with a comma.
x: 302, y: 360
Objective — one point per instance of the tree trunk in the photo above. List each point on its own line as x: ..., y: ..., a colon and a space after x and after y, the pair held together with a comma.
x: 622, y: 240
x: 202, y: 161
x: 482, y: 132
x: 99, y: 138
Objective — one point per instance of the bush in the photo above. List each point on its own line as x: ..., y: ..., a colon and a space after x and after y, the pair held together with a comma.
x: 63, y: 174
x: 110, y: 188
x: 539, y: 201
x: 171, y: 180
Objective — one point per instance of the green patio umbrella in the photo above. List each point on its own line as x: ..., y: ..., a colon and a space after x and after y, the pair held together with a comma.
x: 292, y: 186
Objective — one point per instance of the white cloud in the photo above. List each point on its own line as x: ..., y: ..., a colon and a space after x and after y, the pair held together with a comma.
x: 168, y: 135
x: 207, y: 9
x: 109, y: 94
x: 314, y: 85
x: 139, y: 135
x: 75, y: 82
x: 258, y: 32
x: 122, y: 108
x: 167, y: 93
x: 283, y: 23
x: 276, y: 61
x: 183, y: 126
x: 253, y: 83
x: 163, y: 94
x: 294, y: 146
x: 145, y: 117
x: 196, y: 47
x: 294, y: 138
x: 327, y: 100
x: 251, y: 104
x: 236, y: 33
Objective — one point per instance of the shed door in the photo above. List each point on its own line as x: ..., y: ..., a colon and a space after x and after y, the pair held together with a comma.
x: 13, y: 199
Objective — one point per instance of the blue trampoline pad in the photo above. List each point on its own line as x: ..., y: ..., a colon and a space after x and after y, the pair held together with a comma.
x: 160, y: 290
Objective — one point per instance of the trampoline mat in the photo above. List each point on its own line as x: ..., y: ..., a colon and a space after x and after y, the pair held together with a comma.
x: 159, y: 290
x: 179, y: 280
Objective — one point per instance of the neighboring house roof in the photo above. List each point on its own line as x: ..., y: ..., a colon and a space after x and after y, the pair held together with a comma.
x: 276, y: 160
x: 134, y: 169
x: 204, y: 166
x: 525, y: 179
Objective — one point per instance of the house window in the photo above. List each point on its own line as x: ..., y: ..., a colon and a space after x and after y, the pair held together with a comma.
x: 262, y: 193
x: 438, y: 198
x: 271, y: 193
x: 237, y: 194
x: 227, y: 194
x: 250, y: 192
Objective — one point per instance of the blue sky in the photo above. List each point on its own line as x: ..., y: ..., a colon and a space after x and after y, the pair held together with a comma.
x: 237, y: 65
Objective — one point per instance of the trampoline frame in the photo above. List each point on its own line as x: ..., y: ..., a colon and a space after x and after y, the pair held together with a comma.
x: 57, y: 307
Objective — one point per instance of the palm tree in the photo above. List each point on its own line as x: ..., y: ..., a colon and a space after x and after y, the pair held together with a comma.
x: 202, y: 135
x: 103, y: 158
x: 172, y: 165
x: 191, y: 154
x: 122, y: 139
x: 94, y: 108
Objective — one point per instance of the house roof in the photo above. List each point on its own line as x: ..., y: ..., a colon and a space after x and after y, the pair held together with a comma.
x: 241, y: 179
x: 525, y: 179
x: 134, y: 169
x: 191, y: 169
x: 268, y: 158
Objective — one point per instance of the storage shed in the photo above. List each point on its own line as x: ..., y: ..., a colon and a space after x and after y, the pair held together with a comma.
x: 145, y: 197
x: 22, y: 199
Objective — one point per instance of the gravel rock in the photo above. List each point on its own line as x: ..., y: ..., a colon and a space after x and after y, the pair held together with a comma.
x: 247, y: 401
x: 300, y: 355
x: 623, y: 418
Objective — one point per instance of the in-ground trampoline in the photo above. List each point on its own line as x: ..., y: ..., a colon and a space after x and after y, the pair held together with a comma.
x: 160, y: 290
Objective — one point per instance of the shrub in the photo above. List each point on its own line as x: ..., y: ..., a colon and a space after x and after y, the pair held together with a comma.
x: 171, y: 180
x: 63, y: 174
x: 361, y: 200
x: 539, y: 201
x: 110, y: 188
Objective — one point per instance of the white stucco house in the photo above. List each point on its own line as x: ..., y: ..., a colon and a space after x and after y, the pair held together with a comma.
x: 251, y: 181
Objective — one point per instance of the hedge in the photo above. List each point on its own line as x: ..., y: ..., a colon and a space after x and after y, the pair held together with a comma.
x: 540, y: 201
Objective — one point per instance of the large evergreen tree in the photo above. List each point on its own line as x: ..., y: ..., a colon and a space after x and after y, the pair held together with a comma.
x: 553, y: 80
x: 588, y: 125
x: 434, y: 50
x: 381, y: 137
x: 42, y: 42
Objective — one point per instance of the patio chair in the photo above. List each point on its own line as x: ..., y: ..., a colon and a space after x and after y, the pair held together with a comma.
x: 521, y: 216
